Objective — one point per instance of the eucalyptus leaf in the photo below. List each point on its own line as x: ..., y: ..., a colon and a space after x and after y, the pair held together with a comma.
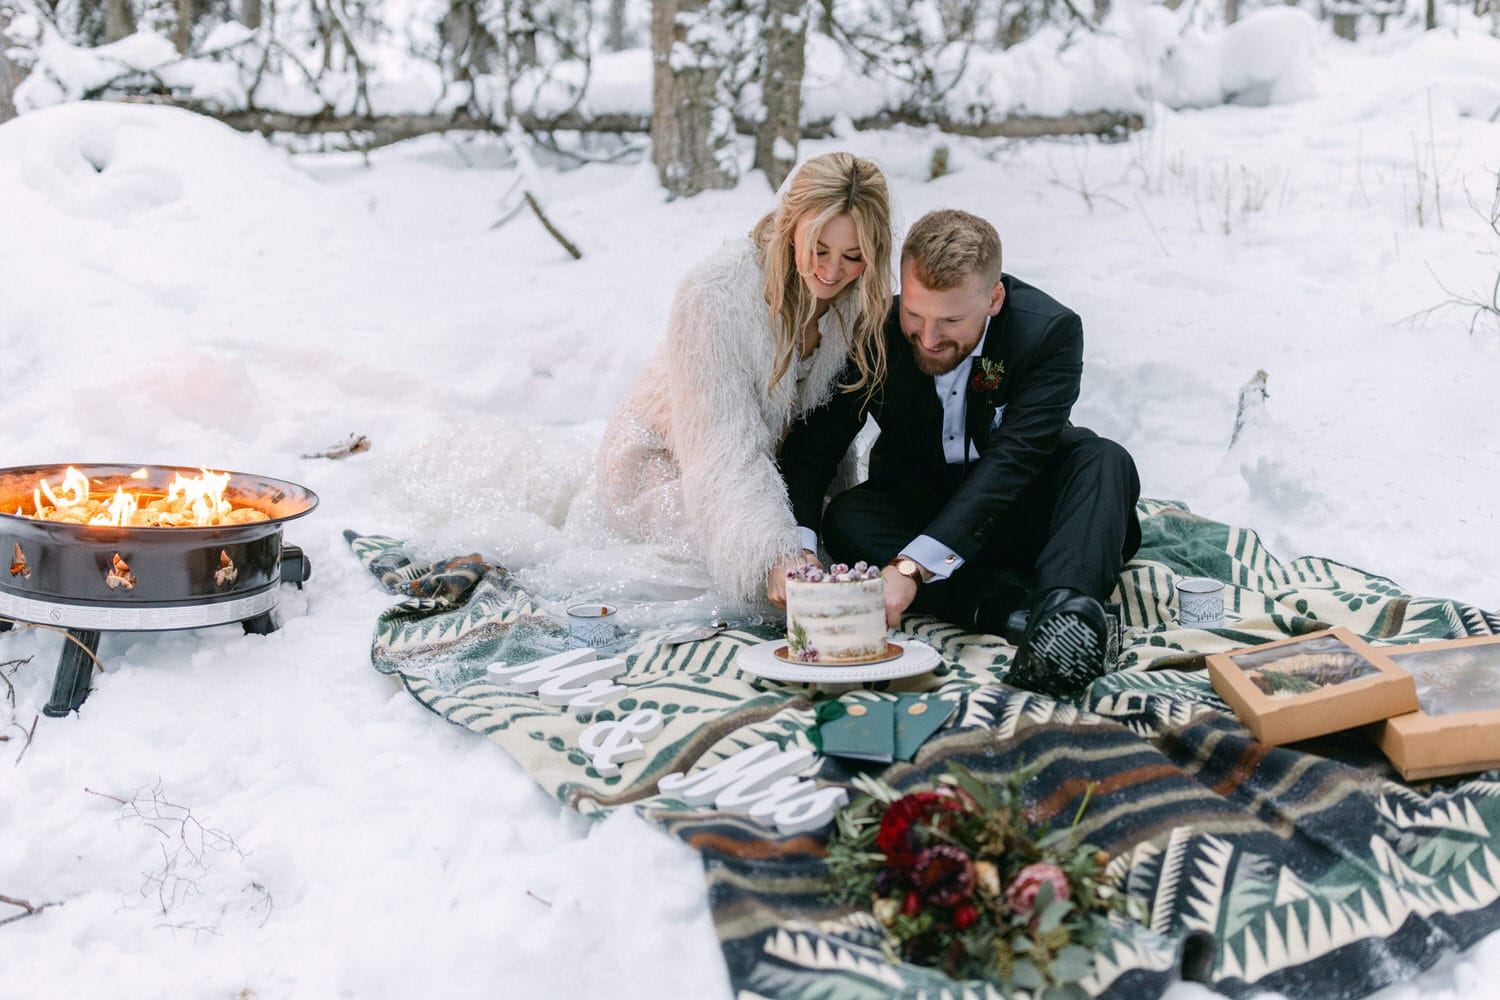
x: 1068, y: 967
x: 977, y: 789
x: 1065, y: 991
x: 1074, y: 953
x: 1027, y: 976
x: 1053, y: 913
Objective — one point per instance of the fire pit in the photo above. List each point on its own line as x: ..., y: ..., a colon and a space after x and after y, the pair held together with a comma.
x: 129, y: 548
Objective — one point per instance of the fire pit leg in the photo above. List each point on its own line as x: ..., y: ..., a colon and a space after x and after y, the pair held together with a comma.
x: 70, y: 686
x: 262, y: 624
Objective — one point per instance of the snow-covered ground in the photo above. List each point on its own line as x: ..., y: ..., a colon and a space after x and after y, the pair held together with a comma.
x: 172, y: 292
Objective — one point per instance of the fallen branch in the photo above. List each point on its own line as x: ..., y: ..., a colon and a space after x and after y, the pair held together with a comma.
x: 381, y: 130
x: 32, y: 909
x: 356, y: 444
x: 547, y: 224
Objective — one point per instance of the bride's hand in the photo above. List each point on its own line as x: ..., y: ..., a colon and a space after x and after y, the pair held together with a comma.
x: 776, y: 577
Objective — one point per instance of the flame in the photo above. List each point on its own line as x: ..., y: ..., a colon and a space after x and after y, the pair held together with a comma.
x: 196, y: 501
x: 119, y: 509
x: 203, y: 496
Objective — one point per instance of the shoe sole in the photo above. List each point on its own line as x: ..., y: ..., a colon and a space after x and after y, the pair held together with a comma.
x: 1068, y: 650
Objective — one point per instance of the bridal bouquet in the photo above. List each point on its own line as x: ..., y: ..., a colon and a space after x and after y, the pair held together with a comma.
x: 961, y: 881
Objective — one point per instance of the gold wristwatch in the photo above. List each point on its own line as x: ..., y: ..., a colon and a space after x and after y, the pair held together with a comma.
x: 907, y: 567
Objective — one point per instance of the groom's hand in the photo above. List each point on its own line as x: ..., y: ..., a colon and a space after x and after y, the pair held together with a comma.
x: 900, y: 591
x: 776, y: 578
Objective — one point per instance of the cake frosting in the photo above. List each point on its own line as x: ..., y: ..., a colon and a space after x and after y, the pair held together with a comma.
x: 837, y: 616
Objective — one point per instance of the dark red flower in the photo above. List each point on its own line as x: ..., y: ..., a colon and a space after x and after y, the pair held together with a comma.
x: 1020, y: 895
x: 911, y: 905
x: 944, y: 875
x: 964, y: 916
x: 986, y: 376
x: 897, y: 840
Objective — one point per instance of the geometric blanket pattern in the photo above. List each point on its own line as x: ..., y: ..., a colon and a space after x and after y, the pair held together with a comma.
x: 1310, y: 869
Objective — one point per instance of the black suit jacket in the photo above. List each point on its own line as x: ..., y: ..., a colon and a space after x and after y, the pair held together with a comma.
x: 1040, y: 343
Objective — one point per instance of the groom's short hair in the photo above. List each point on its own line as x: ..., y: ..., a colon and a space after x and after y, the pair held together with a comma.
x: 948, y: 246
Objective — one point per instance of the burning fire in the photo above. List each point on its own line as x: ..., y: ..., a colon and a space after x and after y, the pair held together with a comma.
x: 196, y: 502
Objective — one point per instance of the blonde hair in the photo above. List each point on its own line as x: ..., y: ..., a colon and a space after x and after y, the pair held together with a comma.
x: 947, y: 247
x: 823, y: 188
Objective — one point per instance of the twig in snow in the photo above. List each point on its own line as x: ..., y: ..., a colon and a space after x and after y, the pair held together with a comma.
x: 185, y: 848
x: 547, y: 224
x: 29, y: 734
x: 10, y: 689
x: 1252, y: 401
x: 32, y: 909
x: 539, y: 899
x: 1152, y: 226
x: 353, y: 446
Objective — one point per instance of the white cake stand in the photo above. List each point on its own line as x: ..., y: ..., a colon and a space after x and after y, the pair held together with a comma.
x: 761, y: 660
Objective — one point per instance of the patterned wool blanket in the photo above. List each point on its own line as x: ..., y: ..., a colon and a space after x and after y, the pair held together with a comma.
x: 1312, y: 869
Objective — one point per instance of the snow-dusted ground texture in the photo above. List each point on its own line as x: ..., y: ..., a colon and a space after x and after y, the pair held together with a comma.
x: 172, y: 292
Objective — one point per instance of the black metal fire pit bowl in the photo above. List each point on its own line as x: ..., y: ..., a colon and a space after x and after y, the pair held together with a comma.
x: 92, y: 578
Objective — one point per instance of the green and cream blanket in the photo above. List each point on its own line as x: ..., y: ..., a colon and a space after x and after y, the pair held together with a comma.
x: 1312, y: 869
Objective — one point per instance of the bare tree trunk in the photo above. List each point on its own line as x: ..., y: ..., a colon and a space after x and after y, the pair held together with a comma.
x: 119, y: 20
x: 785, y: 38
x: 690, y: 132
x: 10, y: 75
x: 1345, y: 24
x: 1231, y: 11
x: 614, y: 37
x: 182, y: 36
x: 250, y: 13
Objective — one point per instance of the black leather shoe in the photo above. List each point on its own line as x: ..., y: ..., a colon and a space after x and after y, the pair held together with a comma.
x: 1065, y: 646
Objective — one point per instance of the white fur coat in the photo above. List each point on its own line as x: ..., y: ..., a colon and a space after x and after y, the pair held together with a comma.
x: 689, y: 458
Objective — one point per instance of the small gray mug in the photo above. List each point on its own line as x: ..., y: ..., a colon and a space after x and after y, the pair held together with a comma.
x: 1200, y: 602
x: 593, y: 625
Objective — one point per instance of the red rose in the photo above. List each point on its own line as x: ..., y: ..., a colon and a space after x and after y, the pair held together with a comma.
x: 897, y: 840
x: 964, y: 916
x: 911, y: 905
x: 1020, y: 895
x: 944, y: 875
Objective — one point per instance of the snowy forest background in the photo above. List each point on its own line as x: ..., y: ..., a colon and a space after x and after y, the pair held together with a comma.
x: 363, y: 73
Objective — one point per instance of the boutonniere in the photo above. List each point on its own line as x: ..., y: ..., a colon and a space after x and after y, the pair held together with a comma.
x: 987, y: 377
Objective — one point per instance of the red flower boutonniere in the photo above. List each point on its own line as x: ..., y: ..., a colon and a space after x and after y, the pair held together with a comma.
x: 987, y: 377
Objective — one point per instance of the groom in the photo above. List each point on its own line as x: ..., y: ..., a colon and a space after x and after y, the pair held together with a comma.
x: 978, y: 483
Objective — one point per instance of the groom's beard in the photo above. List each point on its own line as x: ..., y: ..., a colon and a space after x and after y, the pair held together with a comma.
x: 951, y: 353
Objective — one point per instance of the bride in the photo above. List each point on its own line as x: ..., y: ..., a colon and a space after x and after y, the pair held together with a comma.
x: 759, y: 335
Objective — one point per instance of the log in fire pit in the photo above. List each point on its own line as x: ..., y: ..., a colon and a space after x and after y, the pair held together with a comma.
x: 130, y: 548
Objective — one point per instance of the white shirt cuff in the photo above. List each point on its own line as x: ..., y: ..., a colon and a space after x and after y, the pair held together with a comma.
x: 809, y: 538
x: 933, y: 556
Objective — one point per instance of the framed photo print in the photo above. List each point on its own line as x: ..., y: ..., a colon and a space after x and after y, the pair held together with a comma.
x: 1456, y: 728
x: 1311, y: 685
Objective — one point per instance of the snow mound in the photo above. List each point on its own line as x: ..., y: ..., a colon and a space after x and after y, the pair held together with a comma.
x: 111, y: 161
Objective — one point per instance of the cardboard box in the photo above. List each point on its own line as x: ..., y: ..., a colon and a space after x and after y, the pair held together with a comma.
x: 1456, y: 729
x: 1311, y: 685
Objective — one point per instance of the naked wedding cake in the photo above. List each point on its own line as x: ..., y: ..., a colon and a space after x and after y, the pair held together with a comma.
x: 835, y: 617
